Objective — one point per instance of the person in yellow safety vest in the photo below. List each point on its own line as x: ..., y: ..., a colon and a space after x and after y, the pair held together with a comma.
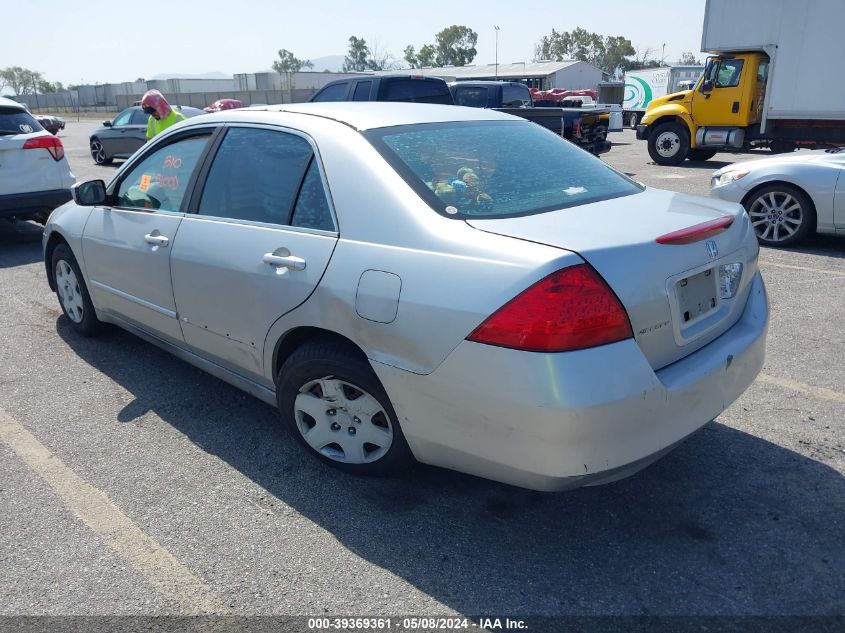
x: 162, y: 116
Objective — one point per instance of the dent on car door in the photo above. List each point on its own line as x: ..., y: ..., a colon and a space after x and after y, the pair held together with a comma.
x: 262, y: 235
x: 127, y: 246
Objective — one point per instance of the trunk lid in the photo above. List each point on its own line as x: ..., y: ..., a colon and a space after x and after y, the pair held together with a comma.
x: 665, y: 288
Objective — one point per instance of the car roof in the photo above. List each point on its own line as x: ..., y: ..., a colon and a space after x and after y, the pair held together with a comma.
x: 11, y: 103
x: 484, y: 82
x: 365, y: 115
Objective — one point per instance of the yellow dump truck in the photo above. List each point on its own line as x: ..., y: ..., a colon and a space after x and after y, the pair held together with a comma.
x: 774, y: 80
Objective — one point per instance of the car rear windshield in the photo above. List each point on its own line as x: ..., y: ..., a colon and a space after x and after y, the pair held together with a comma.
x: 17, y: 121
x: 415, y: 90
x: 496, y: 169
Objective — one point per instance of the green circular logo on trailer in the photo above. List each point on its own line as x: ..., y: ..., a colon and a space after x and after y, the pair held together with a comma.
x: 637, y: 93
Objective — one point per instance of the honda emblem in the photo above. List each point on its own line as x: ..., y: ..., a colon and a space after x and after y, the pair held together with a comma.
x: 712, y: 249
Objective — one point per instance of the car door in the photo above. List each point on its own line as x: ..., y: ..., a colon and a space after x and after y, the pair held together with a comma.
x: 256, y: 247
x: 113, y: 136
x: 839, y: 198
x: 134, y: 135
x: 126, y: 247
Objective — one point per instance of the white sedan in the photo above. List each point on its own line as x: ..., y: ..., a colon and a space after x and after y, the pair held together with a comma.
x: 788, y: 197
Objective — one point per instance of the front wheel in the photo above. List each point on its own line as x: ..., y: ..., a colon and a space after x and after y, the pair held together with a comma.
x: 668, y: 144
x: 73, y: 295
x: 331, y: 399
x: 782, y: 215
x: 701, y: 154
x: 98, y: 153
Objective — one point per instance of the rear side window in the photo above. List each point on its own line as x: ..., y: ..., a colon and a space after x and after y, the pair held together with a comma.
x: 256, y: 176
x: 496, y: 168
x: 17, y: 121
x: 362, y: 91
x: 471, y: 96
x: 312, y: 206
x: 337, y: 92
x: 415, y: 90
x: 515, y: 96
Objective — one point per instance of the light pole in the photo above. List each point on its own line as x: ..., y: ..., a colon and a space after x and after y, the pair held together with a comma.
x: 497, y: 51
x: 663, y: 55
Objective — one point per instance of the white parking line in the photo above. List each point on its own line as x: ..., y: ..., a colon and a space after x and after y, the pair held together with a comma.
x: 824, y: 271
x: 800, y: 387
x: 96, y: 510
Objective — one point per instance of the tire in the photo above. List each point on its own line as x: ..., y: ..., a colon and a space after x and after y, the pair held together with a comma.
x: 668, y: 143
x: 332, y: 401
x: 72, y: 292
x: 633, y: 120
x: 98, y: 153
x: 701, y: 154
x: 781, y: 147
x: 781, y: 215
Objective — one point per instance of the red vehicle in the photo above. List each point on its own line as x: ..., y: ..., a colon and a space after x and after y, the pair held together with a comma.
x: 224, y: 104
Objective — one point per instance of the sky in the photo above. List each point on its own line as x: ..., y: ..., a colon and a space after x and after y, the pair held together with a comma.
x: 94, y: 41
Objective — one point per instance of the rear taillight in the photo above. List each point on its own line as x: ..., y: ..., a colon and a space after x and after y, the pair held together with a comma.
x: 570, y: 309
x: 50, y: 143
x: 576, y: 129
x: 698, y: 232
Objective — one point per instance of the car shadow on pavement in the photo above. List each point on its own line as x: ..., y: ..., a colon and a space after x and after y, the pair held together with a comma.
x: 20, y: 243
x: 818, y: 244
x: 726, y: 524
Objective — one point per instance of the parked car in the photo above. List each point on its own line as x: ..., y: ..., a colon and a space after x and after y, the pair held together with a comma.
x: 125, y: 134
x: 394, y: 87
x: 224, y: 104
x: 787, y: 197
x: 406, y: 281
x: 35, y: 177
x: 50, y: 123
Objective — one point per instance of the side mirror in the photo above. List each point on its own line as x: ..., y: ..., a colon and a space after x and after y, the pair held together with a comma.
x: 90, y: 193
x: 106, y: 123
x: 706, y: 86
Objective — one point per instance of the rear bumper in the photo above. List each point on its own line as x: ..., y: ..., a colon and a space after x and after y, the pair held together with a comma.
x: 642, y: 132
x: 26, y: 204
x: 559, y: 421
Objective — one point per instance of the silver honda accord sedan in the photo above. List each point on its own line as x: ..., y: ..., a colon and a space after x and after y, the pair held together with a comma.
x: 418, y: 282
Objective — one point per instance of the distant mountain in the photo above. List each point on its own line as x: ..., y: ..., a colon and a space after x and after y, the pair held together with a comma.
x: 334, y: 63
x: 212, y: 75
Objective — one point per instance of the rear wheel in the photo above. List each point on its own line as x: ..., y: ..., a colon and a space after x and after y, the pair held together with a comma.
x: 782, y: 215
x: 668, y: 144
x: 701, y: 154
x: 98, y: 153
x: 633, y: 120
x: 781, y: 147
x: 331, y: 399
x: 73, y: 295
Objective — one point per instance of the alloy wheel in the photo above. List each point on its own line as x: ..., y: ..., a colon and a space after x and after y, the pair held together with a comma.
x: 776, y: 216
x: 98, y: 152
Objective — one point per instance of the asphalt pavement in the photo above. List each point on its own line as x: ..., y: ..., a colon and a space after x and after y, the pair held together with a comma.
x: 133, y: 483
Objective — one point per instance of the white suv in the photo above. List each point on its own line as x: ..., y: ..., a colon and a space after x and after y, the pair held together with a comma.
x: 34, y: 174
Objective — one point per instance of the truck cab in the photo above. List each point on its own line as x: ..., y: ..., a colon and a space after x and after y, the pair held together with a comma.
x: 722, y: 112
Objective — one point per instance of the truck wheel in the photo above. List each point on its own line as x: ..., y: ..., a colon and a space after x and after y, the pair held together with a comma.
x: 781, y: 147
x: 668, y: 144
x: 633, y: 120
x: 782, y: 215
x: 701, y: 154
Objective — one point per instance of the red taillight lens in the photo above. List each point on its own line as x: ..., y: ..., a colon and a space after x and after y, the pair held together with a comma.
x: 50, y: 143
x: 570, y: 309
x: 698, y: 232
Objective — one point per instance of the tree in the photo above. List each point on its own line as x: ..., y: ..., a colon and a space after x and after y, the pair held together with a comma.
x: 423, y: 59
x: 22, y: 81
x: 688, y: 58
x: 607, y: 52
x: 380, y: 59
x: 455, y: 46
x: 358, y: 56
x: 287, y: 65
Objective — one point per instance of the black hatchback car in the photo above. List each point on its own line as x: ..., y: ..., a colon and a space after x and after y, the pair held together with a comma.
x: 123, y: 136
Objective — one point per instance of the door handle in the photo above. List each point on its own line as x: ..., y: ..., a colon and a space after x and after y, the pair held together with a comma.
x: 284, y: 261
x: 156, y: 239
